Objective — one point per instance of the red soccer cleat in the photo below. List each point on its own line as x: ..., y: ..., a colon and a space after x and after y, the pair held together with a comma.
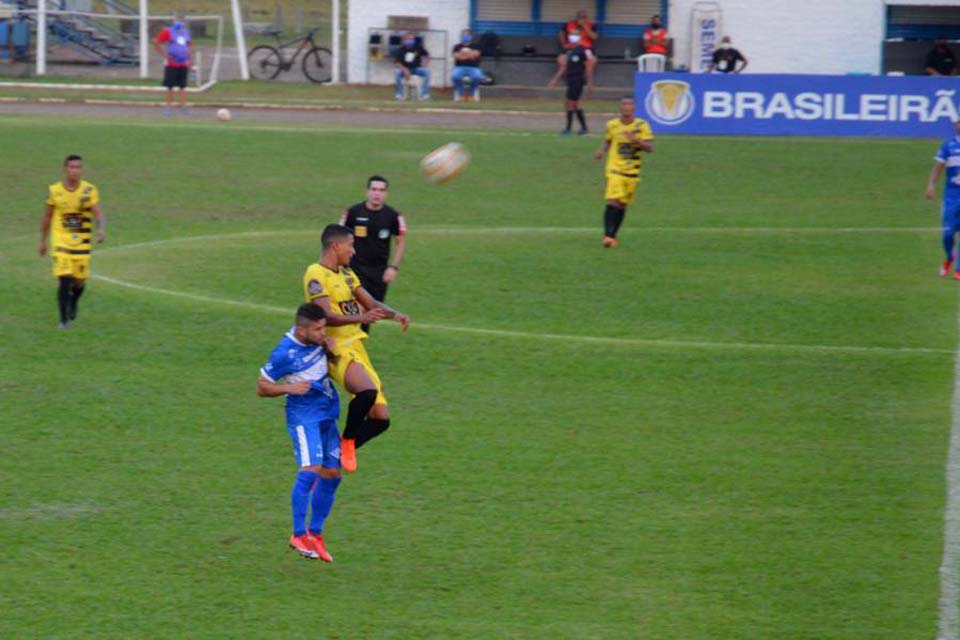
x: 609, y: 243
x: 316, y: 543
x: 302, y: 545
x: 956, y: 275
x: 348, y: 454
x: 945, y: 269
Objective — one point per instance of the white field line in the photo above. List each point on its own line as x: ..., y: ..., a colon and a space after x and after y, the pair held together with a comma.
x: 948, y: 627
x: 338, y: 106
x: 619, y: 342
x: 523, y: 230
x: 339, y: 129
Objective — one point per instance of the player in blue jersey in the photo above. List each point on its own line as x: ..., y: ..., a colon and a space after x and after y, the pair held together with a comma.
x: 948, y: 158
x: 297, y: 368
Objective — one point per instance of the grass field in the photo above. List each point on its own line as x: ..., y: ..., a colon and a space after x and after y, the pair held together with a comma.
x: 732, y: 426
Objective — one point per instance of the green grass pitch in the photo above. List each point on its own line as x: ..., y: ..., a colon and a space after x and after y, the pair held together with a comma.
x: 755, y: 449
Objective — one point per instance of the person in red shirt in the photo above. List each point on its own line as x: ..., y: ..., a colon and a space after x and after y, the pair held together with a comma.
x: 585, y: 36
x: 174, y: 44
x: 655, y: 37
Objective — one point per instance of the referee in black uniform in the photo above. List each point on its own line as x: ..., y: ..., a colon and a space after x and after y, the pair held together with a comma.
x: 374, y: 223
x: 578, y: 74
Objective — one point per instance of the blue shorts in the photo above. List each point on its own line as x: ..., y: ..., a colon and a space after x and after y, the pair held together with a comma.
x: 315, y: 441
x: 951, y: 214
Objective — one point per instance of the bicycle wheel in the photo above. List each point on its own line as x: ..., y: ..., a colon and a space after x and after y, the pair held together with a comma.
x: 318, y: 65
x: 264, y: 62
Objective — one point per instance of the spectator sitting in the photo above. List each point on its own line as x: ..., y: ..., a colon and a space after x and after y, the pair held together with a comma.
x: 655, y: 37
x: 466, y: 55
x: 412, y: 60
x: 726, y: 58
x: 20, y: 38
x: 587, y: 32
x: 941, y: 61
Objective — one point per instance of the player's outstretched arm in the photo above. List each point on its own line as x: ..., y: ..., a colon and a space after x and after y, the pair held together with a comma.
x: 335, y: 319
x: 935, y: 173
x: 268, y: 389
x: 371, y: 303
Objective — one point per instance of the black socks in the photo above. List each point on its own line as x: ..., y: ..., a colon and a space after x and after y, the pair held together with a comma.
x: 372, y: 427
x: 77, y: 292
x: 357, y: 412
x: 63, y: 297
x: 580, y: 118
x: 612, y: 219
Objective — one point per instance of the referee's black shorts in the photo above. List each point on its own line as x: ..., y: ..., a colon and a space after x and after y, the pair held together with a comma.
x: 575, y: 89
x: 372, y: 281
x: 175, y: 77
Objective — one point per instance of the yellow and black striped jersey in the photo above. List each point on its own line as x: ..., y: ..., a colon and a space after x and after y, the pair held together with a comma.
x: 624, y: 159
x: 320, y: 281
x: 71, y: 226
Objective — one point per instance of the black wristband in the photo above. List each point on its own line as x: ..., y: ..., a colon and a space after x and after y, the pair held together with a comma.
x: 393, y: 266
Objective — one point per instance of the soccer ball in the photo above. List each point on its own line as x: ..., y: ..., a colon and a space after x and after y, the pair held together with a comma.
x: 223, y: 114
x: 445, y: 163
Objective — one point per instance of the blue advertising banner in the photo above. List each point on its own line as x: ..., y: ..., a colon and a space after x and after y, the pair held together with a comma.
x: 809, y: 105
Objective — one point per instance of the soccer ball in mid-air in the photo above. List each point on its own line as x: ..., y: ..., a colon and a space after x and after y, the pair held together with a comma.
x: 223, y: 114
x: 445, y: 163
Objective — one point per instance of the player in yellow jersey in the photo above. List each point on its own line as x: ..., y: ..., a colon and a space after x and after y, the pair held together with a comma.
x: 331, y: 284
x: 626, y: 138
x: 73, y: 205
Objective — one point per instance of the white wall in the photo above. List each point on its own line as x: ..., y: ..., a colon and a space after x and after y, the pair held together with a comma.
x: 794, y: 36
x: 447, y: 15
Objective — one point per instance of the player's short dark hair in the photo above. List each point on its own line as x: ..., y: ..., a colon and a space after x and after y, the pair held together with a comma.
x: 332, y: 233
x: 373, y: 179
x: 309, y: 312
x: 70, y: 158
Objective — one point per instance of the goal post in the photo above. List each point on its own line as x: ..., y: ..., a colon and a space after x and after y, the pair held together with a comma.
x: 89, y: 47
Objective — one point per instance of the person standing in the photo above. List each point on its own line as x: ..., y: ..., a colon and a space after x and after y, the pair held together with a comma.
x: 412, y: 60
x: 947, y: 160
x: 374, y: 223
x: 726, y: 58
x: 655, y: 37
x: 73, y: 205
x: 575, y: 67
x: 626, y: 139
x: 466, y: 56
x: 330, y: 284
x: 175, y: 45
x: 297, y: 369
x: 941, y: 60
x: 587, y: 32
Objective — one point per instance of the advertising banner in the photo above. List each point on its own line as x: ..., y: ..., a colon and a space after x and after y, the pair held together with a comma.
x: 808, y: 105
x: 704, y: 34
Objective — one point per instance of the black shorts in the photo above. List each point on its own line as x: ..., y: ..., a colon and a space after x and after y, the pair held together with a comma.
x: 372, y: 280
x: 575, y: 89
x: 175, y: 77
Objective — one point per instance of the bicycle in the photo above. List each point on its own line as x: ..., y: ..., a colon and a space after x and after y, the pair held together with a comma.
x: 267, y: 61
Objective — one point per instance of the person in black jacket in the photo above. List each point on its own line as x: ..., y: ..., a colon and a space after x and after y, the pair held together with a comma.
x: 374, y: 223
